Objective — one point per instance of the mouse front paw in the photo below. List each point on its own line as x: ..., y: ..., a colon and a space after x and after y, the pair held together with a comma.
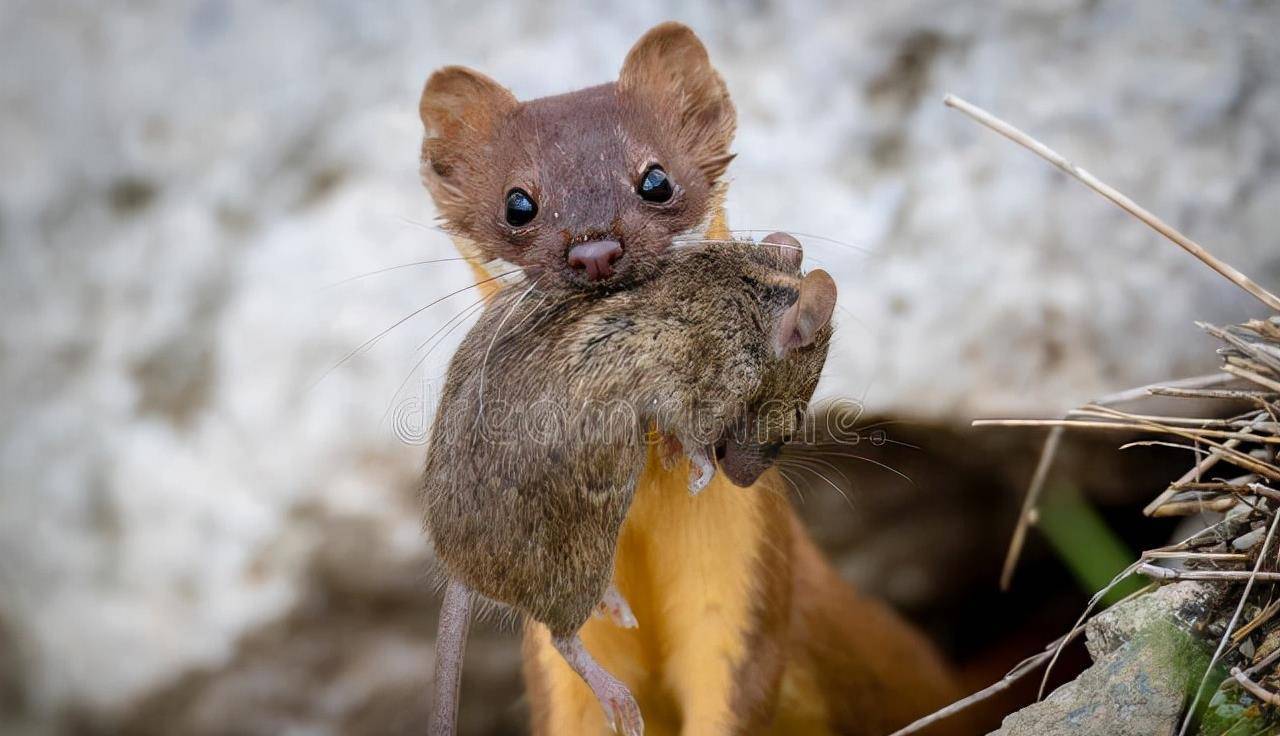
x: 701, y: 470
x: 614, y: 607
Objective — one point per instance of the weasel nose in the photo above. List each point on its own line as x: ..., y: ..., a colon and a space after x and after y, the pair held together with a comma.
x: 595, y: 259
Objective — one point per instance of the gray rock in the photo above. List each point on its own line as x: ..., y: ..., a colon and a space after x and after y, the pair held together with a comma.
x: 1181, y: 603
x: 1144, y: 662
x: 1131, y: 692
x: 1250, y: 540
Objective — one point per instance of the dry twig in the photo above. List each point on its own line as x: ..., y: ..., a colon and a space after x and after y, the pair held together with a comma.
x: 1166, y: 573
x: 1026, y: 666
x: 1123, y: 202
x: 1029, y: 502
x: 1250, y: 440
x: 1235, y: 617
x: 1254, y: 688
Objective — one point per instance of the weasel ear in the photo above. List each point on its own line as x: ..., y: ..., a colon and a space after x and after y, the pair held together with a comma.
x: 460, y: 108
x: 457, y: 101
x: 801, y: 323
x: 670, y: 69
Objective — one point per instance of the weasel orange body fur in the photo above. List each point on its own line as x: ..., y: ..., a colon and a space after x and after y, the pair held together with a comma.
x: 743, y: 625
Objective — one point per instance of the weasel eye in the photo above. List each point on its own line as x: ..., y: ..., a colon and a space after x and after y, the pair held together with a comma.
x: 655, y: 186
x: 521, y: 208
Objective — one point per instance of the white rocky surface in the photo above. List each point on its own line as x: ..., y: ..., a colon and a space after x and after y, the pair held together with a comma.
x: 182, y: 179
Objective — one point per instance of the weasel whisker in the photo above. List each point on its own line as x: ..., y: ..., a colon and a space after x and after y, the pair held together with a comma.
x: 809, y: 236
x: 691, y: 241
x: 484, y: 362
x: 364, y: 346
x: 455, y: 320
x: 731, y: 241
x: 423, y: 226
x: 542, y: 299
x: 469, y: 308
x: 387, y: 269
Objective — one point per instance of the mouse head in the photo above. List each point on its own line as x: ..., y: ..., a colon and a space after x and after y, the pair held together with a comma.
x: 771, y: 418
x: 584, y: 189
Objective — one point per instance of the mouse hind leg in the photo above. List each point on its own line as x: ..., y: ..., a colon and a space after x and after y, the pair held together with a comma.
x: 451, y: 645
x: 620, y: 707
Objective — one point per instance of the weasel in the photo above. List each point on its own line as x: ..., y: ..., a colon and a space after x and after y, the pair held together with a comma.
x: 540, y: 434
x: 744, y: 626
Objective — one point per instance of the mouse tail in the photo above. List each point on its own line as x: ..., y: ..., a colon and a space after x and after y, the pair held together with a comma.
x: 451, y: 645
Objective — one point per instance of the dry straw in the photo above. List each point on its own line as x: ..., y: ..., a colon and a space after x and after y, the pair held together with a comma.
x: 1236, y: 469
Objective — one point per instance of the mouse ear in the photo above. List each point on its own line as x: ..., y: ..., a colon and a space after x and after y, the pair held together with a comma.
x: 800, y: 324
x: 670, y: 69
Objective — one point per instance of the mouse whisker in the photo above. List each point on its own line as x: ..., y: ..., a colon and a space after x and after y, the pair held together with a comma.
x: 810, y: 457
x: 840, y: 472
x: 857, y: 433
x: 782, y: 472
x: 815, y: 471
x: 864, y: 458
x: 888, y: 423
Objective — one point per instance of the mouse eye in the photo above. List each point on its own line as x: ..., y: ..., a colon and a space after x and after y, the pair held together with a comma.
x: 521, y: 208
x: 655, y: 186
x: 771, y: 451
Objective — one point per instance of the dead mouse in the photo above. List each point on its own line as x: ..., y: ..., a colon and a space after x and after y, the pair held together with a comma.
x: 542, y: 427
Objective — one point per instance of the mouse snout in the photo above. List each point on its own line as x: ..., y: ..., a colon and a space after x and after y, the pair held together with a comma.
x: 595, y: 259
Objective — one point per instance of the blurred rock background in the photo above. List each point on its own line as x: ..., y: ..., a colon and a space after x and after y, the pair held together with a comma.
x: 204, y: 529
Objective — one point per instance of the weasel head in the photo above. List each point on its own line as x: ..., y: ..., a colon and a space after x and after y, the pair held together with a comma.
x: 584, y: 190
